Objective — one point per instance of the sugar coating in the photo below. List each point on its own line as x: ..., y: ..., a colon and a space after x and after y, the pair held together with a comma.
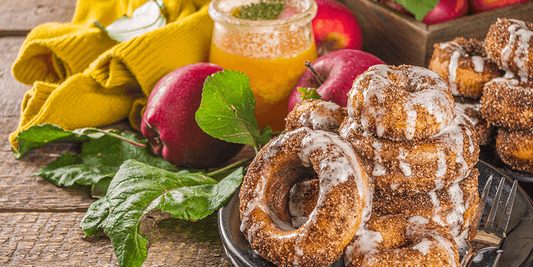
x: 401, y: 103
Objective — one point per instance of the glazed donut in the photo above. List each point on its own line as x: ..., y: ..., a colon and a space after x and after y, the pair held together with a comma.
x: 509, y: 43
x: 484, y: 130
x: 416, y: 167
x: 400, y: 103
x: 396, y: 240
x: 317, y: 115
x: 515, y: 149
x: 453, y: 207
x: 508, y: 103
x: 344, y: 203
x: 462, y: 63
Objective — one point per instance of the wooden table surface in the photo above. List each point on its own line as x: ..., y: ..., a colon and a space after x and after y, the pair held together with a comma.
x: 39, y: 222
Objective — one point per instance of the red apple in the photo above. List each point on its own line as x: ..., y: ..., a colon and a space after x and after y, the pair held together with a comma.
x: 335, y: 27
x: 445, y: 10
x: 169, y: 124
x: 484, y: 5
x: 338, y: 69
x: 396, y: 6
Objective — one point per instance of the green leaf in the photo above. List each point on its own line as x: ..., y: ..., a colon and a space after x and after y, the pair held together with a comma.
x: 419, y: 8
x: 145, y: 18
x: 95, y: 217
x: 99, y: 158
x: 227, y: 109
x: 308, y: 93
x: 139, y: 188
x: 41, y: 135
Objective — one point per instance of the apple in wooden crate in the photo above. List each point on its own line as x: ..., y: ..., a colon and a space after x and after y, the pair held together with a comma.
x: 445, y: 10
x: 335, y: 27
x: 484, y: 5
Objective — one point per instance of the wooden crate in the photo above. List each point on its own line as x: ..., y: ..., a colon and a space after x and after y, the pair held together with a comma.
x: 399, y: 39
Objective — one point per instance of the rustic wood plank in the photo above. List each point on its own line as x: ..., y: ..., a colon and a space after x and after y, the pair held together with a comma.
x: 11, y: 91
x: 18, y: 17
x: 55, y: 239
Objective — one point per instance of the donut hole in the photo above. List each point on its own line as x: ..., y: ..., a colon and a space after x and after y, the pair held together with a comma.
x: 282, y: 181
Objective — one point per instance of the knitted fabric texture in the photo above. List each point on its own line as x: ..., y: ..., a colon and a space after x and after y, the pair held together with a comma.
x: 82, y: 78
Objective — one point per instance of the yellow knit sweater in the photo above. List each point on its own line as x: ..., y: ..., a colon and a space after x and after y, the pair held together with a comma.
x: 82, y: 78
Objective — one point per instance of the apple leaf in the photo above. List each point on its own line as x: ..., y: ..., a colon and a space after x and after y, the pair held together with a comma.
x: 99, y: 158
x: 145, y: 18
x: 227, y: 110
x: 419, y: 8
x: 308, y: 93
x: 139, y: 188
x: 95, y: 217
x: 41, y: 135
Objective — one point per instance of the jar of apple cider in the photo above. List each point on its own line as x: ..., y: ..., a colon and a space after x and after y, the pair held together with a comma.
x: 268, y: 40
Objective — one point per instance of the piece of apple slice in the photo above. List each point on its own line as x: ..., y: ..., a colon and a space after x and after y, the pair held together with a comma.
x: 145, y: 18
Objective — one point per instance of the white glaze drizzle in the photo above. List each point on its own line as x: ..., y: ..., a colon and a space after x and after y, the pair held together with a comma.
x: 320, y: 118
x: 418, y: 225
x: 519, y: 38
x: 479, y: 63
x: 432, y: 97
x: 457, y: 52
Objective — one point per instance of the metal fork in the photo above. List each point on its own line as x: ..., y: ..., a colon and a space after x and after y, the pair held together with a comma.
x: 490, y: 235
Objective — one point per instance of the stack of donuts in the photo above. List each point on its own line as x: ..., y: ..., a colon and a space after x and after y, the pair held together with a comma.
x: 497, y: 75
x: 388, y: 180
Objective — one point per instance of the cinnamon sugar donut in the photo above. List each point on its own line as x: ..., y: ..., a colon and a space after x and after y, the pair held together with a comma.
x: 317, y: 115
x: 484, y: 130
x: 509, y: 43
x: 515, y: 148
x: 343, y: 205
x: 464, y: 65
x: 508, y: 103
x: 416, y: 167
x: 453, y: 207
x: 400, y: 103
x: 396, y: 240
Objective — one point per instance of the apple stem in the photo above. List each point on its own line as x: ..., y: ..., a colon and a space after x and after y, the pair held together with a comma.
x: 307, y: 63
x: 123, y: 139
x: 229, y: 167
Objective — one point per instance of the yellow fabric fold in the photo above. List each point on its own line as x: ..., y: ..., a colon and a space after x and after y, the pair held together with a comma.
x: 82, y: 78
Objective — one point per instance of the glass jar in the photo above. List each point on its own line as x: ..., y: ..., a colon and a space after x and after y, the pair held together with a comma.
x: 271, y: 52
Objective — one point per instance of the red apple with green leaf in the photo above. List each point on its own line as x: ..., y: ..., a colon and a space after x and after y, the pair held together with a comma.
x: 169, y: 123
x: 445, y: 10
x: 335, y: 73
x: 335, y: 27
x: 484, y: 5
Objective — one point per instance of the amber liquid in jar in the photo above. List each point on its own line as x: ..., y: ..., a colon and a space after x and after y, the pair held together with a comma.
x: 271, y: 52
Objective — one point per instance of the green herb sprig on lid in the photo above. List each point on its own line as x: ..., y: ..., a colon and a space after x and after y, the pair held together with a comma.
x: 264, y: 10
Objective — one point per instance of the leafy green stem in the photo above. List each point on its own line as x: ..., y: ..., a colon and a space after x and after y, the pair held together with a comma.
x: 229, y: 167
x: 122, y: 138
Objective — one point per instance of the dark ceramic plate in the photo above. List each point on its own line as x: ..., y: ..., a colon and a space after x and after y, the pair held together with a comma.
x: 489, y: 155
x: 518, y: 246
